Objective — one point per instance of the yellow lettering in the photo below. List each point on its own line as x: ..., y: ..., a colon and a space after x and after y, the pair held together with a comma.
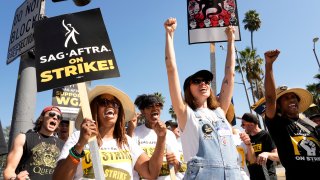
x: 58, y: 72
x: 70, y: 70
x: 46, y: 76
x: 89, y: 67
x: 76, y: 69
x: 74, y: 102
x: 80, y: 68
x: 102, y: 65
x: 63, y: 100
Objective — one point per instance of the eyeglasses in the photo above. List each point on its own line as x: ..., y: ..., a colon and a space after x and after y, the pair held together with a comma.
x: 199, y: 81
x: 105, y: 102
x: 53, y: 114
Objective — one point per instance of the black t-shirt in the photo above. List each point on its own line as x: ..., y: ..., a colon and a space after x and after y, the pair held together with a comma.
x: 262, y: 142
x: 40, y: 154
x: 298, y: 150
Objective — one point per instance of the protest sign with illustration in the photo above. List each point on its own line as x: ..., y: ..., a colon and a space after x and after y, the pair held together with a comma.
x: 68, y: 52
x: 207, y: 20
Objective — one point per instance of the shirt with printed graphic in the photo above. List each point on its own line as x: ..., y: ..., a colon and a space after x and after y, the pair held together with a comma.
x: 298, y: 150
x: 117, y: 163
x: 147, y: 140
x: 262, y: 142
x: 40, y: 154
x: 242, y: 151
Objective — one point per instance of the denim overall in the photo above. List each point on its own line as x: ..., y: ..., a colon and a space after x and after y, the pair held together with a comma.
x: 217, y: 156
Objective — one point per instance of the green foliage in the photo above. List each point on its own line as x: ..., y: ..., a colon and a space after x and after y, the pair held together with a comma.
x: 172, y: 113
x: 314, y: 89
x: 252, y: 21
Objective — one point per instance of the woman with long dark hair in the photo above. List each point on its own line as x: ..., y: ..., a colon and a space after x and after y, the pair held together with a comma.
x: 120, y: 155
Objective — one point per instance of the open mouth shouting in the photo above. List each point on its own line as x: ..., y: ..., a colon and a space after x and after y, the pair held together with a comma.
x: 293, y: 106
x: 155, y: 115
x: 53, y: 124
x: 109, y: 113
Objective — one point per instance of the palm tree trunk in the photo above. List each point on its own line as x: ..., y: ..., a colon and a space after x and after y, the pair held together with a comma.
x: 257, y: 89
x: 251, y: 87
x: 251, y: 40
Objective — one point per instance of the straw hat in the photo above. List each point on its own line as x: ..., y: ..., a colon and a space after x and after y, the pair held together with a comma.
x: 304, y: 95
x: 127, y: 104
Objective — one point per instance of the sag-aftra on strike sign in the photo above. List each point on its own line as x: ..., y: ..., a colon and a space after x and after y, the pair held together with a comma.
x: 73, y: 48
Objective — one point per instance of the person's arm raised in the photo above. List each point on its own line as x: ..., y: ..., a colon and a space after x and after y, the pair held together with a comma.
x: 178, y: 104
x: 226, y: 91
x: 270, y: 85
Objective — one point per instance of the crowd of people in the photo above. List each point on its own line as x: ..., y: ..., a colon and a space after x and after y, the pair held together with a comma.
x: 200, y: 144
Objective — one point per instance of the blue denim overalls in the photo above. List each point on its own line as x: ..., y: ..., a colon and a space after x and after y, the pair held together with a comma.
x: 217, y: 156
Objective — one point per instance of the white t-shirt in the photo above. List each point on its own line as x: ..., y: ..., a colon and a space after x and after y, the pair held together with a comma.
x: 147, y: 140
x: 242, y: 151
x: 117, y: 163
x: 190, y: 134
x: 183, y: 162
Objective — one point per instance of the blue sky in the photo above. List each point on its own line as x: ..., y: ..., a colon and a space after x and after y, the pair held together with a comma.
x: 136, y: 31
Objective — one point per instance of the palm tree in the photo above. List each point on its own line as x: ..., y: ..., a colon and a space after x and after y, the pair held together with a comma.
x: 160, y: 96
x: 314, y: 89
x: 172, y: 113
x: 251, y: 65
x: 252, y: 23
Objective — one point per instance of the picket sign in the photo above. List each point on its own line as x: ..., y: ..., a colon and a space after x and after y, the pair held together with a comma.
x: 171, y: 167
x: 93, y: 144
x: 172, y: 172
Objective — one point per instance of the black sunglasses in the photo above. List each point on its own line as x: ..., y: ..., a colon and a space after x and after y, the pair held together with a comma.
x: 105, y: 102
x: 157, y: 105
x: 53, y: 114
x: 199, y: 81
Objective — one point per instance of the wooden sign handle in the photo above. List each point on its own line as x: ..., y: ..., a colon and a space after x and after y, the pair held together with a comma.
x: 93, y: 144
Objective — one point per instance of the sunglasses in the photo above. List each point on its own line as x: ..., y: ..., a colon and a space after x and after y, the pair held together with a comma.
x: 106, y: 102
x: 156, y: 105
x: 53, y: 114
x: 199, y: 81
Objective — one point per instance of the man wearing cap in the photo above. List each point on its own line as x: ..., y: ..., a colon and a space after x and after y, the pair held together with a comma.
x: 264, y: 148
x: 150, y: 107
x: 34, y: 154
x: 173, y: 126
x: 296, y: 141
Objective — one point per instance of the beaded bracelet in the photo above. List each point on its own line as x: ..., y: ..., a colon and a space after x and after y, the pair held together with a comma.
x: 75, y: 154
x: 74, y: 160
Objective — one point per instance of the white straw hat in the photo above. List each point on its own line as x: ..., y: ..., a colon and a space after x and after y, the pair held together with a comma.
x: 127, y: 104
x: 304, y: 95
